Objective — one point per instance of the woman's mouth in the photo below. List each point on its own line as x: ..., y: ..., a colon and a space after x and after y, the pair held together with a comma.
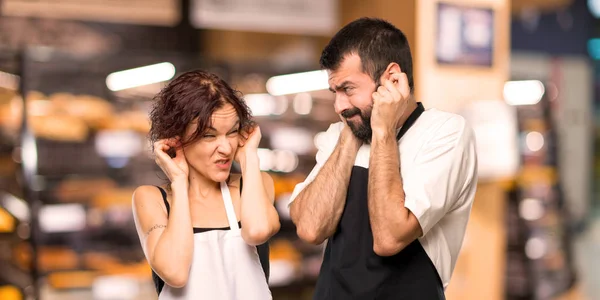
x: 223, y: 163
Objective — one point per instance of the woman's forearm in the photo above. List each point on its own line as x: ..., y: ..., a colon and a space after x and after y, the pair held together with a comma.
x: 259, y: 217
x: 172, y: 254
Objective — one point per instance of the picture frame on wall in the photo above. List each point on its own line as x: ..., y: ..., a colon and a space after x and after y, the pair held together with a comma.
x: 465, y: 35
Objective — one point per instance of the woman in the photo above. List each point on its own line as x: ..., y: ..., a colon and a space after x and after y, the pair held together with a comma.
x: 199, y: 233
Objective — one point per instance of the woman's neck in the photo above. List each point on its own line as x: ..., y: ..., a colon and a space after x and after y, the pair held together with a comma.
x: 200, y: 187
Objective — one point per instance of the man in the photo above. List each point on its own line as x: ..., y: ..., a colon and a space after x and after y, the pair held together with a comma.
x: 393, y: 186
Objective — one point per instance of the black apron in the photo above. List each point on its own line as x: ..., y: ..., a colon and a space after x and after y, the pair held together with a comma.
x: 352, y: 270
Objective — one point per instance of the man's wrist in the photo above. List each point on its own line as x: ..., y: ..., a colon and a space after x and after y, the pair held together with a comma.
x: 351, y: 144
x: 381, y: 134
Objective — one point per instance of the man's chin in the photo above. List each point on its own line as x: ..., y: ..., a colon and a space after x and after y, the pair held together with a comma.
x: 362, y: 133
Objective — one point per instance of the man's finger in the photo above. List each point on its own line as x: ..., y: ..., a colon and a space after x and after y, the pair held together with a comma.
x: 403, y: 86
x: 393, y: 90
x: 376, y: 96
x: 383, y: 91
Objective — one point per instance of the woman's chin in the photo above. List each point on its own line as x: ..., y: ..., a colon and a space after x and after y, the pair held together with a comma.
x: 221, y: 176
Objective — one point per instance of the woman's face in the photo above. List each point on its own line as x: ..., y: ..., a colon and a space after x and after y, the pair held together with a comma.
x: 211, y: 156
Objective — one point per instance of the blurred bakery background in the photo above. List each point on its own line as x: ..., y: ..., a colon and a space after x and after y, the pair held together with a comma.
x: 77, y: 79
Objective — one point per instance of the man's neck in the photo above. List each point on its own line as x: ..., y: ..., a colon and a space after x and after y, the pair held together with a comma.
x: 412, y: 105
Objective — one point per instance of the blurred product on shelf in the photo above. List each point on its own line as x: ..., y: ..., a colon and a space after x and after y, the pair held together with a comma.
x: 22, y: 255
x: 59, y: 128
x: 71, y: 279
x: 78, y: 189
x: 50, y: 259
x: 112, y: 198
x: 7, y: 221
x: 10, y: 113
x: 15, y: 249
x: 286, y: 263
x: 9, y: 292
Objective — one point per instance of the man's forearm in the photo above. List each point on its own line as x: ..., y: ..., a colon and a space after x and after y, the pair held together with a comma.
x: 387, y: 213
x: 316, y: 211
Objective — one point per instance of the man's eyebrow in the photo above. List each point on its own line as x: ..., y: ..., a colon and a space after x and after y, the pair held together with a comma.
x: 342, y: 86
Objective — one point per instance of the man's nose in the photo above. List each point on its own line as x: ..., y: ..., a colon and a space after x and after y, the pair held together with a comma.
x: 341, y: 103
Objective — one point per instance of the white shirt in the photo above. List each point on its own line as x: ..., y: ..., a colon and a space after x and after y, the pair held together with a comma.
x: 438, y: 166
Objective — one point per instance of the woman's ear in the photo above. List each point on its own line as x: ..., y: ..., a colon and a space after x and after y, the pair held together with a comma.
x: 242, y: 137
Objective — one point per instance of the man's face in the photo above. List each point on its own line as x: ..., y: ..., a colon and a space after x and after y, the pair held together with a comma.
x: 353, y: 95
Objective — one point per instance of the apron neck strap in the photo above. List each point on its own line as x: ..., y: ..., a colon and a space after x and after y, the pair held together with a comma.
x: 411, y: 120
x: 233, y: 224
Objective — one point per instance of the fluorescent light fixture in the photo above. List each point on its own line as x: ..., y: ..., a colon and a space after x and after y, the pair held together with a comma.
x: 534, y: 141
x: 285, y: 161
x: 526, y: 92
x: 141, y: 76
x: 261, y: 104
x: 277, y: 160
x: 536, y: 248
x: 266, y: 159
x: 16, y: 207
x: 531, y: 209
x: 266, y: 104
x: 29, y: 154
x: 297, y: 83
x: 9, y: 81
x: 118, y: 143
x: 303, y: 103
x: 295, y: 139
x: 62, y: 218
x: 115, y: 287
x: 594, y: 7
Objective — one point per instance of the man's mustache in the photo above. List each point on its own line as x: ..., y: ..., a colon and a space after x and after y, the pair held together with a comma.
x: 349, y: 113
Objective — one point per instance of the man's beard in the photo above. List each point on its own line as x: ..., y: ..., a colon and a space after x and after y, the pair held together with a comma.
x: 363, y: 130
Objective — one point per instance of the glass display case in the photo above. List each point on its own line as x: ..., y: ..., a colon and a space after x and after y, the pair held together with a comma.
x: 539, y: 258
x: 86, y: 151
x: 15, y: 247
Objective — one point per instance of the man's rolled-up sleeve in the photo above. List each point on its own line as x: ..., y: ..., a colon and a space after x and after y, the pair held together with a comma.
x: 444, y: 170
x: 325, y: 146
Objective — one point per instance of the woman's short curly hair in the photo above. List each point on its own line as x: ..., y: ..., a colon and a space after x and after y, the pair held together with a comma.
x: 194, y: 95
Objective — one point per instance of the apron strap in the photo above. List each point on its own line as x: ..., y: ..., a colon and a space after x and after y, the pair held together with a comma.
x: 233, y: 224
x: 411, y: 120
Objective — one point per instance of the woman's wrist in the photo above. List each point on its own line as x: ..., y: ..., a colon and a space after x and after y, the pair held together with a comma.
x: 179, y: 184
x: 249, y: 158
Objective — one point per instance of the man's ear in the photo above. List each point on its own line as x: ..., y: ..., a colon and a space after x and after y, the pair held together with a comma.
x: 392, y: 68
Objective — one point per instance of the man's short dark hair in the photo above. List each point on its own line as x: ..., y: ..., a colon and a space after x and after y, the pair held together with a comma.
x: 377, y: 43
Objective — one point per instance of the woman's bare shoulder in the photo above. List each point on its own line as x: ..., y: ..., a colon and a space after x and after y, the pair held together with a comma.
x: 234, y: 180
x: 146, y: 195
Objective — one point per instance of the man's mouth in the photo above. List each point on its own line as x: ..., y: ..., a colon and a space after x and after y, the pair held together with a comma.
x: 350, y: 114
